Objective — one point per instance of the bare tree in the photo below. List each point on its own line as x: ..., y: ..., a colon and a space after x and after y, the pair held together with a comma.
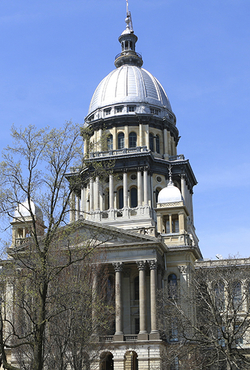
x: 47, y: 279
x: 217, y: 334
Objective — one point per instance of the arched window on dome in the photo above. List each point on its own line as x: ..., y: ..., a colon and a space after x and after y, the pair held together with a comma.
x: 120, y: 140
x: 132, y: 140
x: 157, y: 144
x: 110, y: 142
x: 133, y: 197
x: 151, y: 142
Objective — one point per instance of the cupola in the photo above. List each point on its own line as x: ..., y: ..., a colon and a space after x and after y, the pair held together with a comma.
x: 23, y: 222
x: 172, y: 214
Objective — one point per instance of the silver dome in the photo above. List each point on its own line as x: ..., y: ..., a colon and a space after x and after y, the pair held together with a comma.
x: 22, y: 211
x: 129, y: 84
x: 170, y: 194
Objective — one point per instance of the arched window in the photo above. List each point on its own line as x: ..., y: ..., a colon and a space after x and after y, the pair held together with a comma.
x: 133, y: 197
x: 151, y: 142
x: 132, y: 140
x: 219, y: 295
x: 120, y: 140
x: 173, y: 330
x: 120, y: 198
x: 175, y: 364
x: 131, y: 360
x: 110, y: 142
x: 236, y: 295
x: 172, y: 286
x: 107, y: 362
x: 136, y: 288
x: 157, y: 144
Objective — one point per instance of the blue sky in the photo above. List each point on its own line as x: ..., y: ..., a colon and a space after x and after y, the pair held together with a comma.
x: 54, y: 53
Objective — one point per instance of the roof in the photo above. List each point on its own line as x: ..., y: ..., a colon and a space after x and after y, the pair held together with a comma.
x: 130, y: 84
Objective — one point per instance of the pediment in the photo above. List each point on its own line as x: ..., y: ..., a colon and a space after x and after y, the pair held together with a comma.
x: 111, y: 236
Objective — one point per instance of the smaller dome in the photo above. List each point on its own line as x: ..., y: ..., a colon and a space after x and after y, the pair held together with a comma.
x: 170, y: 194
x: 22, y: 210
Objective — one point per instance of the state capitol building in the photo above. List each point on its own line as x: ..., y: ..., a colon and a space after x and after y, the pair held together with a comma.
x: 146, y: 201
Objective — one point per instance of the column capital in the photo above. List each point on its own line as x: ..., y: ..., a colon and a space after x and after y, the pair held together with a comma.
x: 118, y: 266
x: 182, y: 269
x: 141, y: 265
x: 152, y: 264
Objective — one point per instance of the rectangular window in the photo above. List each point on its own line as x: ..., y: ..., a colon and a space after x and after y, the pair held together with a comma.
x: 154, y: 111
x: 119, y: 109
x: 131, y: 108
x: 167, y: 226
x: 173, y: 332
x: 238, y: 335
x: 175, y: 224
x: 107, y: 111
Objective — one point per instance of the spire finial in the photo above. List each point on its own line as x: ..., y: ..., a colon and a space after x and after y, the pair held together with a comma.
x: 128, y: 40
x: 128, y: 20
x: 170, y: 174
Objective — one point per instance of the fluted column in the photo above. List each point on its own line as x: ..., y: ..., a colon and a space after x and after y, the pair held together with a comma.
x: 166, y: 147
x: 83, y: 201
x: 145, y: 181
x: 183, y: 188
x: 94, y: 300
x: 140, y: 135
x: 139, y: 187
x: 77, y: 208
x: 111, y: 191
x: 100, y: 140
x: 115, y: 138
x: 72, y: 208
x: 142, y: 296
x: 153, y: 287
x: 126, y: 142
x: 118, y: 297
x: 125, y: 189
x: 96, y: 194
x: 91, y: 203
x: 147, y: 135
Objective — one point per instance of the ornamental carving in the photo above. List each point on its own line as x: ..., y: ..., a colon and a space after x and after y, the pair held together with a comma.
x: 118, y: 266
x: 152, y: 264
x: 175, y: 204
x: 141, y: 265
x: 182, y: 269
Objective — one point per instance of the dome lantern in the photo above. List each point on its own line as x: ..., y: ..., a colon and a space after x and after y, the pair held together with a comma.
x: 128, y: 40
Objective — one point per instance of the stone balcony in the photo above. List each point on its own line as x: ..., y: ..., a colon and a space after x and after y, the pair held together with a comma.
x: 129, y: 151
